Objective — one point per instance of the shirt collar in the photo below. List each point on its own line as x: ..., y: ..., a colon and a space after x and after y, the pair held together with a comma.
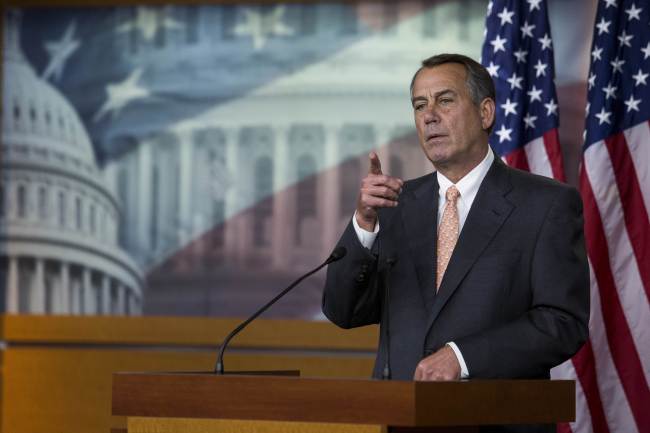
x: 469, y: 184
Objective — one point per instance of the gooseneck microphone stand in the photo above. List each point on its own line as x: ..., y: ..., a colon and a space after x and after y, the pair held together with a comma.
x: 338, y: 253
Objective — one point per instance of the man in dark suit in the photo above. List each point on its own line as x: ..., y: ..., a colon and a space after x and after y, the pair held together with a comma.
x: 486, y: 264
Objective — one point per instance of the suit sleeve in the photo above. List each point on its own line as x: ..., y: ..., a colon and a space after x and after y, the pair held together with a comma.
x: 350, y: 298
x: 555, y: 326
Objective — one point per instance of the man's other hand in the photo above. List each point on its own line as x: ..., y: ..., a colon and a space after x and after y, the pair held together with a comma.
x: 377, y: 190
x: 442, y: 365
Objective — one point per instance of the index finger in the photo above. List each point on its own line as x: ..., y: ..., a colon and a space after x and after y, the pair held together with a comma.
x: 375, y: 164
x: 393, y: 183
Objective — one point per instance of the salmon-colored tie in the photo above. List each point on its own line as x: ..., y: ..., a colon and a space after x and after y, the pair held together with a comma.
x: 447, y: 233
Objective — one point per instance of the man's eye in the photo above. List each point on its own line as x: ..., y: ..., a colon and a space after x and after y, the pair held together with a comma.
x: 445, y: 101
x: 419, y: 107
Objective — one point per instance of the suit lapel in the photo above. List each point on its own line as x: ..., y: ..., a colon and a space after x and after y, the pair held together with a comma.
x: 488, y: 212
x: 420, y: 217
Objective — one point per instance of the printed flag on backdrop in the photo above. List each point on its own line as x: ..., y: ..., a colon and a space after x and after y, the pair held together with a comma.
x: 271, y: 110
x: 518, y: 54
x: 233, y: 137
x: 613, y: 369
x: 134, y: 71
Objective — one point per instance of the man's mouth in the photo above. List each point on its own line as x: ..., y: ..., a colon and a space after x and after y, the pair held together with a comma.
x: 435, y: 136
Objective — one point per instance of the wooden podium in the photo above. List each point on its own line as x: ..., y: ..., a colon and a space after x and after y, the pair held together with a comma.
x: 204, y: 402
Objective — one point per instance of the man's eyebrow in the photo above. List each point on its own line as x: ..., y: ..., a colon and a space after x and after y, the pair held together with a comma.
x: 418, y: 98
x: 435, y: 95
x: 443, y: 92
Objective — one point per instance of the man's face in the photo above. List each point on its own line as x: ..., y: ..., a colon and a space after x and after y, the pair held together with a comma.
x: 452, y: 130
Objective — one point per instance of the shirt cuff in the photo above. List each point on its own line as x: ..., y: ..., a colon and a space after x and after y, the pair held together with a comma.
x: 365, y: 237
x: 464, y: 374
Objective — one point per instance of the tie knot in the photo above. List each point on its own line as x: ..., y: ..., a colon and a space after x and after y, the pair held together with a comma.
x: 452, y: 194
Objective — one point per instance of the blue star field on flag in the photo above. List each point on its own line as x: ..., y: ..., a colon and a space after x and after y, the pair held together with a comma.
x: 123, y: 71
x: 518, y: 54
x: 619, y: 76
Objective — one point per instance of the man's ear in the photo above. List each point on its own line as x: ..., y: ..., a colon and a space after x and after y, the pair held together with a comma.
x: 487, y: 112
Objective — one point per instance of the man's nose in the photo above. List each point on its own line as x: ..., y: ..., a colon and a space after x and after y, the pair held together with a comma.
x: 431, y: 115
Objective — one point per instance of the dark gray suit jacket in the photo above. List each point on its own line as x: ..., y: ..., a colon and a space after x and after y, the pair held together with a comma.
x: 514, y: 298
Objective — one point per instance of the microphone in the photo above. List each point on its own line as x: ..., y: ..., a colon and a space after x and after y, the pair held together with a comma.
x: 390, y: 262
x: 338, y: 253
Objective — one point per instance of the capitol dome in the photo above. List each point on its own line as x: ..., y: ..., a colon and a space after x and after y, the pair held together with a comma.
x: 35, y: 112
x: 58, y: 220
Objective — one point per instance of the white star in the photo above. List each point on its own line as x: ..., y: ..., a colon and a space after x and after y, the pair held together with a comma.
x: 596, y: 53
x: 592, y: 80
x: 540, y: 68
x: 551, y: 108
x: 509, y: 107
x: 527, y: 30
x: 506, y: 16
x: 520, y: 55
x: 120, y: 94
x: 640, y: 78
x: 603, y: 26
x: 59, y: 52
x: 504, y: 133
x: 617, y: 65
x: 545, y: 41
x: 646, y: 51
x: 146, y: 21
x: 493, y: 69
x: 633, y: 13
x: 515, y: 81
x: 609, y: 91
x: 632, y: 104
x: 499, y: 44
x: 535, y: 94
x: 603, y: 116
x: 610, y: 3
x: 489, y: 8
x: 587, y: 109
x: 624, y: 39
x: 530, y: 121
x: 534, y: 4
x: 260, y: 25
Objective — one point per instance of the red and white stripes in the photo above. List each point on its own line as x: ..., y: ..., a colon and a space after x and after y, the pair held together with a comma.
x: 613, y: 369
x: 541, y: 156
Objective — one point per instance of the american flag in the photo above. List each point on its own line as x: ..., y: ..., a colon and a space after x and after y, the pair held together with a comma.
x: 613, y: 368
x: 518, y: 54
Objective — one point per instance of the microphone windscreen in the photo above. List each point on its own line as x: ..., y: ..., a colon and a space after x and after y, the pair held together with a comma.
x: 338, y: 253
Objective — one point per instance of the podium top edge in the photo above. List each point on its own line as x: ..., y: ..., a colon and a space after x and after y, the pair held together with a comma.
x: 283, y: 375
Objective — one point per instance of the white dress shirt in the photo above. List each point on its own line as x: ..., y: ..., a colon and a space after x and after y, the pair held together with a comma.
x: 468, y: 187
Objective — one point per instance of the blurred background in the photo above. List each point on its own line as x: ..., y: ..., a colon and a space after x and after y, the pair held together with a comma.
x: 192, y: 160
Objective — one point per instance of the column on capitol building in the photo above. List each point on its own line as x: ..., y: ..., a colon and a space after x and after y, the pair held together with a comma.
x: 37, y: 288
x: 184, y: 227
x: 90, y: 296
x: 186, y: 149
x: 143, y: 204
x: 106, y: 294
x: 231, y: 136
x: 12, y: 301
x: 281, y: 244
x: 330, y: 190
x: 121, y: 298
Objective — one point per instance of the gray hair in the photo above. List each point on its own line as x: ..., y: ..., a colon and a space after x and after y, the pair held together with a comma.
x: 478, y: 80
